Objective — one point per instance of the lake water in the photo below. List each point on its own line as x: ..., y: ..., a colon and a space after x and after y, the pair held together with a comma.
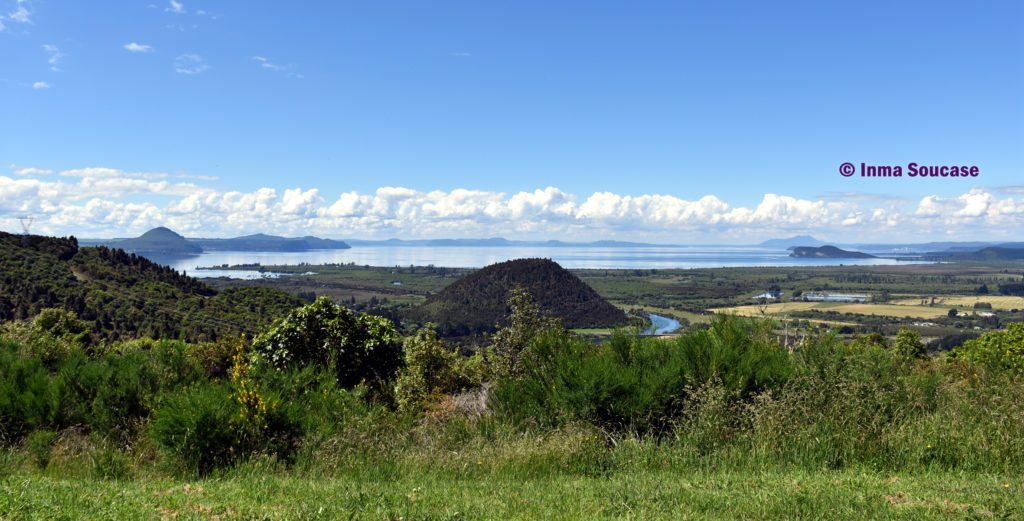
x: 475, y: 257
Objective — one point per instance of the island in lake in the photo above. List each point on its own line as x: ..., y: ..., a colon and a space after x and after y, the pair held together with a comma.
x: 828, y: 252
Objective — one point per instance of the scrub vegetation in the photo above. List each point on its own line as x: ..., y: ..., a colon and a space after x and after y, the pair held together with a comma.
x: 325, y: 411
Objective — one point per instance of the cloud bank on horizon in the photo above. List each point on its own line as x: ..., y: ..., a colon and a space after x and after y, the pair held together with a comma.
x: 107, y: 202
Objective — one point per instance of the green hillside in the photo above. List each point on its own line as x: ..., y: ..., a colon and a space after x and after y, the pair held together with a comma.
x: 477, y: 302
x: 125, y: 295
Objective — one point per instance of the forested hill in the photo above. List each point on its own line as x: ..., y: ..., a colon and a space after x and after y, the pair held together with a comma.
x: 477, y: 302
x: 125, y: 295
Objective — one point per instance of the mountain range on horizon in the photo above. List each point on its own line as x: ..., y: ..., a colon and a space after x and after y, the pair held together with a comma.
x: 162, y: 240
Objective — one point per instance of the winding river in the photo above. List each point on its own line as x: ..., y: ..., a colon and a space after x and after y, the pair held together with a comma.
x: 662, y: 325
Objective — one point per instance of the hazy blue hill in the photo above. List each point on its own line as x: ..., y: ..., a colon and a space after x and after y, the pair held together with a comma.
x: 828, y: 252
x: 799, y: 240
x: 497, y: 242
x: 264, y: 242
x: 159, y: 240
x: 476, y: 302
x: 992, y: 253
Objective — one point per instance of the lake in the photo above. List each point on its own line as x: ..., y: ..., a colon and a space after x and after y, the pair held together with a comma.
x: 573, y: 257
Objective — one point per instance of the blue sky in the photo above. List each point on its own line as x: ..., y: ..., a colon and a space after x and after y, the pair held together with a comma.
x: 635, y: 113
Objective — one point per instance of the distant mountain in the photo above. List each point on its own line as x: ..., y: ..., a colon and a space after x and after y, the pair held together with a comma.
x: 476, y: 302
x: 499, y: 241
x: 992, y: 253
x: 799, y: 240
x: 264, y: 242
x: 828, y: 252
x: 125, y: 295
x: 919, y: 247
x: 161, y: 241
x: 165, y: 242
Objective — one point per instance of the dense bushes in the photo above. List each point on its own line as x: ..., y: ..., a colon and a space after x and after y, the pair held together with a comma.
x: 634, y: 383
x: 358, y: 347
x: 109, y: 393
x: 725, y: 395
x: 996, y: 350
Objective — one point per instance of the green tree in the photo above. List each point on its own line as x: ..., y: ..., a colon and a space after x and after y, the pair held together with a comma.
x: 526, y: 322
x: 908, y: 344
x: 358, y: 347
x: 997, y: 349
x: 430, y: 369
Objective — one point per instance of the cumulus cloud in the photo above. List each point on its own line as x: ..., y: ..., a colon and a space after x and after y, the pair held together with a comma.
x: 39, y: 85
x: 102, y: 201
x: 137, y: 47
x: 190, y: 64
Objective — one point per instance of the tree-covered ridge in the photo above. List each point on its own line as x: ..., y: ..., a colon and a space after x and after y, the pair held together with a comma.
x: 477, y: 302
x: 124, y: 295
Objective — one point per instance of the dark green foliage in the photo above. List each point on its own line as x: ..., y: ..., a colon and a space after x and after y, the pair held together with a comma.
x: 358, y: 347
x: 634, y: 383
x: 196, y: 426
x: 122, y: 295
x: 996, y: 350
x: 109, y: 395
x: 40, y: 447
x: 477, y: 302
x: 200, y: 427
x: 908, y: 344
x: 28, y: 400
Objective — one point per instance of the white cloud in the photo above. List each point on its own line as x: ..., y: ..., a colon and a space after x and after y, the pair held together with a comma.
x: 102, y: 201
x: 265, y: 63
x: 137, y: 47
x: 21, y: 14
x: 176, y: 8
x: 55, y: 56
x: 190, y: 64
x: 29, y: 171
x: 40, y: 85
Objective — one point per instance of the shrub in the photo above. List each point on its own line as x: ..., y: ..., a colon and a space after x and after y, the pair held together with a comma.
x: 525, y: 322
x: 430, y: 369
x: 195, y: 425
x: 28, y: 401
x: 908, y: 344
x: 212, y: 425
x: 112, y: 394
x: 358, y: 347
x: 631, y: 383
x: 996, y: 350
x: 39, y: 445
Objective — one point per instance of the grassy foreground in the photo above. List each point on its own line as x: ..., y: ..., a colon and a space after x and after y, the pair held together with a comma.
x: 773, y: 494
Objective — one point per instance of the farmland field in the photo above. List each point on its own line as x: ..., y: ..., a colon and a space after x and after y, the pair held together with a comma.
x: 997, y: 301
x: 889, y: 310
